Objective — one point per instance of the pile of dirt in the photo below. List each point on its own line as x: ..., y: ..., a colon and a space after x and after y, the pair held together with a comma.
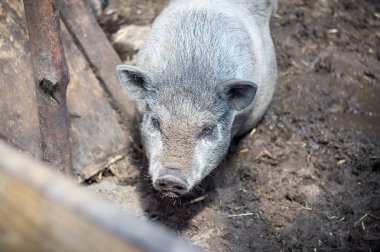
x: 307, y: 178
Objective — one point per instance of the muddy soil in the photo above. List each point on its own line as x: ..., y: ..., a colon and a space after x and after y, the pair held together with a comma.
x: 307, y: 178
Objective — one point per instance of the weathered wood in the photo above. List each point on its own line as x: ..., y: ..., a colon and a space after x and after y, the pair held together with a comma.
x: 43, y: 211
x: 96, y: 132
x: 51, y: 78
x: 103, y: 163
x: 99, y: 52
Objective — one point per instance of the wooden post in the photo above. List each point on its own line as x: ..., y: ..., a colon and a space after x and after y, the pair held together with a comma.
x: 51, y: 78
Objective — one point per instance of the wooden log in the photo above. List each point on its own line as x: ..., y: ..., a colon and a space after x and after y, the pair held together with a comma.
x: 98, y: 51
x: 51, y: 78
x: 43, y: 211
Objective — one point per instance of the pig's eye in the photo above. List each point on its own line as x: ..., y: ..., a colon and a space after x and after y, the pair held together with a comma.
x: 207, y: 131
x: 156, y: 123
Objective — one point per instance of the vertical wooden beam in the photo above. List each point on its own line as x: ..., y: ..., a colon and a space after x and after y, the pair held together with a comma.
x: 51, y: 78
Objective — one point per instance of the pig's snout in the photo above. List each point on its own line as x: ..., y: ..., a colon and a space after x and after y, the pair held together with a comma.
x: 171, y: 183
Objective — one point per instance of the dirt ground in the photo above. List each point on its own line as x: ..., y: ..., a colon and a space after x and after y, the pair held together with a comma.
x: 308, y: 177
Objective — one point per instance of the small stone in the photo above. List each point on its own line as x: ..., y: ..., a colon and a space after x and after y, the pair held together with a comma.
x: 129, y: 40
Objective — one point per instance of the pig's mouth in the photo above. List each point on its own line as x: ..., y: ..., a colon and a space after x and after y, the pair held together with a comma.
x: 169, y: 194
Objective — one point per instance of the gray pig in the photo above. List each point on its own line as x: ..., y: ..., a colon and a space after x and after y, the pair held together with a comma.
x: 205, y: 75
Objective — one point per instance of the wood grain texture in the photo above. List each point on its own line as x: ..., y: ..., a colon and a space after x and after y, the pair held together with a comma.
x: 96, y: 133
x: 98, y: 51
x: 33, y: 223
x: 51, y: 77
x: 43, y: 211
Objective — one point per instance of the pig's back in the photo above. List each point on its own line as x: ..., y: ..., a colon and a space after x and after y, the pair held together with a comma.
x: 216, y: 35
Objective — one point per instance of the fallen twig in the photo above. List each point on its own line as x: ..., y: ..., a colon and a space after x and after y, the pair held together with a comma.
x: 332, y: 31
x: 198, y: 199
x: 307, y: 208
x: 342, y: 161
x: 374, y: 216
x: 238, y: 215
x: 253, y: 131
x: 265, y: 153
x: 244, y: 150
x: 361, y: 219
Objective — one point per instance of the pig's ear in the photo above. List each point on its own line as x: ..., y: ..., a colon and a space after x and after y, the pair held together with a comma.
x: 134, y: 80
x: 240, y: 93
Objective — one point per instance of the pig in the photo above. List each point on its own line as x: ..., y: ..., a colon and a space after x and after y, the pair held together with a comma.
x: 205, y: 75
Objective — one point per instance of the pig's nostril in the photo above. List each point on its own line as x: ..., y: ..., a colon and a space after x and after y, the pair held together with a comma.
x: 179, y: 188
x: 171, y: 185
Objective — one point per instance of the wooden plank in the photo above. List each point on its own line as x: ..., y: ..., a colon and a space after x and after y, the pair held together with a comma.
x: 99, y: 52
x: 95, y: 167
x: 42, y: 211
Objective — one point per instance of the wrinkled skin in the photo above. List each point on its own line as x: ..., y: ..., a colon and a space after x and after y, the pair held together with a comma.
x: 205, y: 75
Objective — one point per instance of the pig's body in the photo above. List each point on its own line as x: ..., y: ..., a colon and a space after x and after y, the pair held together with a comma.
x: 206, y: 74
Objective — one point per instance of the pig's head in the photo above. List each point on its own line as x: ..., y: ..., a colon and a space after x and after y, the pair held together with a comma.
x: 186, y: 125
